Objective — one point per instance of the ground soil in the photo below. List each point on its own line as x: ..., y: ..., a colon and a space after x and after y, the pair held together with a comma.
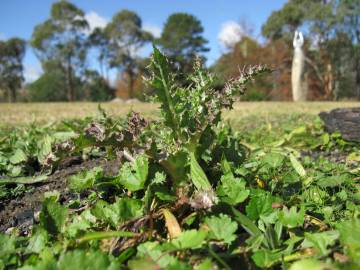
x: 21, y: 212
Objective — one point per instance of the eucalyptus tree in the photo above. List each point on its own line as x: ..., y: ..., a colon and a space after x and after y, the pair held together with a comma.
x: 62, y: 39
x: 182, y: 39
x: 348, y: 23
x: 12, y: 52
x: 126, y: 36
x: 99, y: 40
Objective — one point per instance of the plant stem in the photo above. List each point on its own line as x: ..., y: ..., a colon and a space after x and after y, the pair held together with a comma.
x: 216, y: 257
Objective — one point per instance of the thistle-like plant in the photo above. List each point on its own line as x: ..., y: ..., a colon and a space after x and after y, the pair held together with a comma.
x: 190, y: 115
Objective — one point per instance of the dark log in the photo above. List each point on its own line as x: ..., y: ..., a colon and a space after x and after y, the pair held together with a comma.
x: 343, y: 120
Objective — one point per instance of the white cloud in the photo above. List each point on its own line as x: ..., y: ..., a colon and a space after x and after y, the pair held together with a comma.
x: 2, y: 36
x: 95, y: 20
x: 32, y: 73
x: 153, y: 29
x: 231, y: 32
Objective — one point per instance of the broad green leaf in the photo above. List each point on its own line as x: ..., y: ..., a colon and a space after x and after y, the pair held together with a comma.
x: 190, y: 239
x: 123, y: 209
x: 205, y: 265
x: 197, y: 175
x: 260, y: 204
x: 232, y: 190
x: 81, y: 223
x: 134, y: 174
x: 7, y: 249
x: 38, y: 240
x: 297, y: 166
x: 334, y: 180
x: 53, y: 216
x: 349, y: 232
x: 143, y: 263
x: 18, y: 157
x: 292, y: 218
x: 222, y: 228
x: 266, y: 258
x: 158, y: 255
x: 311, y: 264
x: 44, y: 147
x: 274, y: 160
x: 89, y: 260
x: 321, y: 241
x: 85, y: 179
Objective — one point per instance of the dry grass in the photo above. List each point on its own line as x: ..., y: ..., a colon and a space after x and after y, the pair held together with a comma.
x: 22, y: 113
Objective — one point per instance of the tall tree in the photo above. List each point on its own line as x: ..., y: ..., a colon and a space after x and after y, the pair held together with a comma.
x: 99, y: 40
x: 348, y: 22
x: 12, y: 53
x: 62, y: 39
x: 182, y: 39
x: 126, y: 37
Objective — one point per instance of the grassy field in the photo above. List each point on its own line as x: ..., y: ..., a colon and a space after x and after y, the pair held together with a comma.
x: 22, y: 113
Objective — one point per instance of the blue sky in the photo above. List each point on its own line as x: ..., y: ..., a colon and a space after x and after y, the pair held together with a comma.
x: 218, y: 17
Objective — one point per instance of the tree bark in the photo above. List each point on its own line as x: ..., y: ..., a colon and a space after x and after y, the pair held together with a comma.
x: 69, y: 81
x: 131, y: 83
x: 13, y: 94
x: 343, y: 120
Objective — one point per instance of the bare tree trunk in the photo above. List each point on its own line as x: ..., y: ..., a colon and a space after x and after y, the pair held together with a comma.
x: 329, y: 86
x: 131, y: 83
x: 358, y: 80
x: 69, y: 81
x: 13, y: 94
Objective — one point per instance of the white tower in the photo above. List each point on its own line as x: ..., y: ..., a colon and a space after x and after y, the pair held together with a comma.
x: 298, y: 82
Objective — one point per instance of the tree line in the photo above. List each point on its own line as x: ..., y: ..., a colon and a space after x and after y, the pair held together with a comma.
x: 64, y: 44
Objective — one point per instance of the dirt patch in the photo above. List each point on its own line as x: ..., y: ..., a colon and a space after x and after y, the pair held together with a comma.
x: 20, y: 212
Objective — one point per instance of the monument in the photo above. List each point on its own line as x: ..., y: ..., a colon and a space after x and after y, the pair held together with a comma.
x: 298, y: 81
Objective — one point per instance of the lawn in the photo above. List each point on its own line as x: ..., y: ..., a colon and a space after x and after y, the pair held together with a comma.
x: 21, y: 113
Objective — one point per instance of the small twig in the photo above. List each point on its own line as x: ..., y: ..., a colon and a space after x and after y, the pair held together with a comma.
x: 128, y: 156
x: 80, y: 209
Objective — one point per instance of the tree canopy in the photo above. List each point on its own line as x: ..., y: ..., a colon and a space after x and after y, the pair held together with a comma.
x: 126, y: 37
x: 12, y: 52
x: 182, y: 39
x: 62, y: 39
